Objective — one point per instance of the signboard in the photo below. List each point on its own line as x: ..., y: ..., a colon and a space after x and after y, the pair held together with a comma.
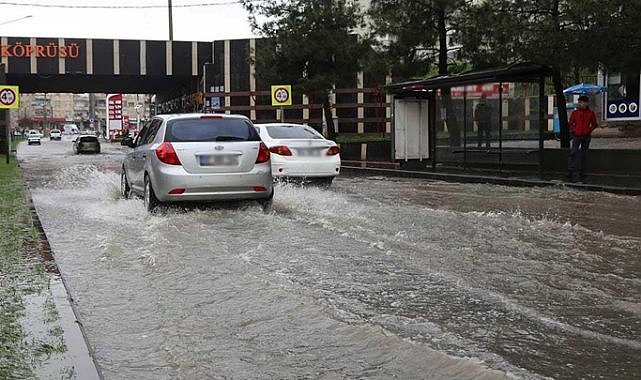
x: 623, y: 108
x: 281, y: 95
x: 9, y: 97
x: 476, y: 91
x: 50, y: 50
x: 114, y: 114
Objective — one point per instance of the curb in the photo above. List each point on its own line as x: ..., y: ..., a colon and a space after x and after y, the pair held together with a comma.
x: 80, y: 352
x: 471, y: 178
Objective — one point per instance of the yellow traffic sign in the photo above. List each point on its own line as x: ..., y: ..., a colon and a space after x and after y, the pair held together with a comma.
x: 281, y: 95
x: 9, y: 97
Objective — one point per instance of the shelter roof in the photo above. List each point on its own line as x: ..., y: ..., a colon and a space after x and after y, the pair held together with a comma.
x: 521, y: 72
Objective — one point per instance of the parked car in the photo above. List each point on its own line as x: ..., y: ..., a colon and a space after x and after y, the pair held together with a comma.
x: 55, y: 134
x: 86, y: 144
x: 197, y: 157
x: 299, y: 151
x: 33, y: 137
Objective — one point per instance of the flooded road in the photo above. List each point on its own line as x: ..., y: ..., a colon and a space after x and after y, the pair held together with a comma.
x: 373, y: 278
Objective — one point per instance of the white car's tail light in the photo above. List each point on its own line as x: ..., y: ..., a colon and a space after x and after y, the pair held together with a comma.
x: 281, y: 150
x: 333, y: 150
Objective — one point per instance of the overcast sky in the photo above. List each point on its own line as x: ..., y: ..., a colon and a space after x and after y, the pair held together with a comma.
x: 220, y: 19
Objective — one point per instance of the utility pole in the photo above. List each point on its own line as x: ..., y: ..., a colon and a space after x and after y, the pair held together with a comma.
x: 92, y: 109
x: 44, y: 112
x: 171, y: 22
x: 16, y: 19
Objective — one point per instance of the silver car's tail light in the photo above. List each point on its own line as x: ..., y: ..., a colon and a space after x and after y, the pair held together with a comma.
x: 263, y: 154
x: 166, y: 154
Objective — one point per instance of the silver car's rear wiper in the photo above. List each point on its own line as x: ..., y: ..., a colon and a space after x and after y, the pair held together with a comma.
x: 230, y: 138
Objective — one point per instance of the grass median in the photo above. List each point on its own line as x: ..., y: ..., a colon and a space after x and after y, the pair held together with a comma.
x: 29, y: 330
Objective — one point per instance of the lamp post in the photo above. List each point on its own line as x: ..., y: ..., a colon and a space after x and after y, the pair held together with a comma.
x: 171, y: 21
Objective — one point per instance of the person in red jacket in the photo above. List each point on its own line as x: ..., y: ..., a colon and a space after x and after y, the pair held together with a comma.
x: 582, y: 123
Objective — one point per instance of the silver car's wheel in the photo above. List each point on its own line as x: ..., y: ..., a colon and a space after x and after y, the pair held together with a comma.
x: 125, y: 190
x: 267, y: 204
x: 151, y: 202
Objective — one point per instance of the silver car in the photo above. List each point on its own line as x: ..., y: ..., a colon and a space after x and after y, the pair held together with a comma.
x: 197, y: 157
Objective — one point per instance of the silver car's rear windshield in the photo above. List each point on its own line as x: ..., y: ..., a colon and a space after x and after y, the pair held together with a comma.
x: 291, y: 132
x: 223, y: 129
x: 88, y: 139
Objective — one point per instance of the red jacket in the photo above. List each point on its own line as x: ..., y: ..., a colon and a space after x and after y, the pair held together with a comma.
x: 582, y: 122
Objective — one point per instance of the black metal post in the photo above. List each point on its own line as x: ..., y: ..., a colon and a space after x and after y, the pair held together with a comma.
x: 500, y: 126
x: 432, y: 127
x: 542, y: 122
x: 464, y: 127
x: 171, y: 21
x: 4, y: 118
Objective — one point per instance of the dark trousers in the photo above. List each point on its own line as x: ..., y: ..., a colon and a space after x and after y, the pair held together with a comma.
x: 483, y: 133
x: 579, y: 152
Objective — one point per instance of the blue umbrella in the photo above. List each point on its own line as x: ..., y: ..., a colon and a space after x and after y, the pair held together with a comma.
x: 584, y: 89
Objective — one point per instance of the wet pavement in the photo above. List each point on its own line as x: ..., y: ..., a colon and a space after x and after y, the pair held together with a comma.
x: 374, y: 277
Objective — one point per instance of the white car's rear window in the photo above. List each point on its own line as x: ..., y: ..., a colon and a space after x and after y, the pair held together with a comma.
x: 292, y: 132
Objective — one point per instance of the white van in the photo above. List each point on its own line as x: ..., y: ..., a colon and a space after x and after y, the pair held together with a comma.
x: 71, y: 129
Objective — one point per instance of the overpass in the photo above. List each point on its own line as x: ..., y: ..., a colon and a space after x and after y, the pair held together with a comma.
x: 75, y: 65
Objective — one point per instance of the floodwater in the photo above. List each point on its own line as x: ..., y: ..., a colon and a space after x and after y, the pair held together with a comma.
x: 373, y: 278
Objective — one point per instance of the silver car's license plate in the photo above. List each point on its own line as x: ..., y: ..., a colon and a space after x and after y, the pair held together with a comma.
x: 218, y: 160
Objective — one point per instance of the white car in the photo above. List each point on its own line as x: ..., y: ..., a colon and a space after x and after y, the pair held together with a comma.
x: 298, y: 151
x: 55, y: 134
x: 33, y: 137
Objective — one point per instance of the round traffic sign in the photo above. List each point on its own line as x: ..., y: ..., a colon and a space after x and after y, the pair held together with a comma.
x: 281, y: 95
x: 7, y: 97
x: 623, y: 108
x: 633, y: 107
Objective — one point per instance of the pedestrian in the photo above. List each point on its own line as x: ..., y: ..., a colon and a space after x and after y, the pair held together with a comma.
x: 483, y: 117
x: 582, y: 123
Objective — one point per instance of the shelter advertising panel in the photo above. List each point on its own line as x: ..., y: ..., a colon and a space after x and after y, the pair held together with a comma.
x: 623, y: 94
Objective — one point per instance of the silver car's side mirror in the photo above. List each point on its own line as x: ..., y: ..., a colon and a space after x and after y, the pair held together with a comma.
x: 128, y: 141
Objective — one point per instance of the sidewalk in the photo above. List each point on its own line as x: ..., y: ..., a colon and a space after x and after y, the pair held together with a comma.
x: 612, y: 183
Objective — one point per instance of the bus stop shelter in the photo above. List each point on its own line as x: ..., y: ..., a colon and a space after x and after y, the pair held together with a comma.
x: 491, y: 119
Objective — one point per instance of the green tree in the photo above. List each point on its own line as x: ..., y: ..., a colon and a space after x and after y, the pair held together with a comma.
x: 404, y: 37
x: 311, y: 44
x: 412, y: 37
x: 570, y: 36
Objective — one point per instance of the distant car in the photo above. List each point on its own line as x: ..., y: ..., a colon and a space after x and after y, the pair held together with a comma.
x: 86, y: 144
x: 55, y: 134
x: 298, y: 151
x: 197, y: 157
x: 33, y: 137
